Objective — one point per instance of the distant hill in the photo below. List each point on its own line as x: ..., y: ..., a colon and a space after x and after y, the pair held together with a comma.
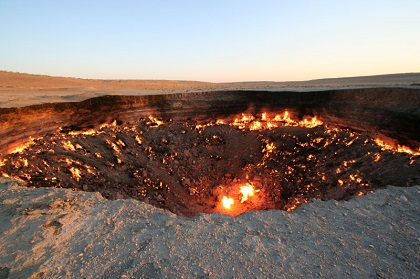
x: 408, y: 78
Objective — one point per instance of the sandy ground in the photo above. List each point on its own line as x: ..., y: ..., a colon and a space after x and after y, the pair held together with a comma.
x: 57, y: 233
x: 17, y: 90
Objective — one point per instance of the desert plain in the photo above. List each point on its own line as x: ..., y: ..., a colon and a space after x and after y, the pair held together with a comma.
x: 60, y: 233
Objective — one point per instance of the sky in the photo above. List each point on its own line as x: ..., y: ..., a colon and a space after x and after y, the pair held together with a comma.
x: 210, y: 40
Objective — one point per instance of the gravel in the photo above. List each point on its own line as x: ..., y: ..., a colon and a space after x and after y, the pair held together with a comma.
x: 58, y: 233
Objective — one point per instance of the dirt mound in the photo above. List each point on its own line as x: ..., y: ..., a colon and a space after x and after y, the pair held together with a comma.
x: 58, y: 233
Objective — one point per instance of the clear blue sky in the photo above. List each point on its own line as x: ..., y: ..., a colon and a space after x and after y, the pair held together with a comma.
x: 210, y: 40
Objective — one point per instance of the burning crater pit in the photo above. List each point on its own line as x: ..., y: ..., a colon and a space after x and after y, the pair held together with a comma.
x: 225, y: 152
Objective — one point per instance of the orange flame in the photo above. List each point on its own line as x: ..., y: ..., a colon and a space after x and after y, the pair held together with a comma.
x: 310, y: 123
x: 21, y: 147
x: 75, y: 172
x: 265, y: 122
x: 398, y: 148
x: 68, y: 145
x: 247, y: 191
x: 156, y: 121
x: 227, y: 202
x: 89, y: 132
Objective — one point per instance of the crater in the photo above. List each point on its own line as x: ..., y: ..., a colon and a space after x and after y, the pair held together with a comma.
x: 219, y: 152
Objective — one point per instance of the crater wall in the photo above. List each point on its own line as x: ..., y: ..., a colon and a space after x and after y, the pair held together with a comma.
x: 389, y: 112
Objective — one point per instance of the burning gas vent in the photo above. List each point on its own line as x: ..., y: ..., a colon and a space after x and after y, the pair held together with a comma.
x: 231, y: 164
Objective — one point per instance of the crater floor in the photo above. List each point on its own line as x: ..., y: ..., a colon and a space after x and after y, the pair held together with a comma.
x: 189, y: 167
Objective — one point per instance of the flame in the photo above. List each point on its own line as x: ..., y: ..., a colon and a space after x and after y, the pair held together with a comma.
x: 311, y: 123
x: 98, y: 155
x: 107, y: 125
x: 227, y: 202
x: 89, y: 132
x: 255, y: 126
x: 68, y: 145
x: 360, y: 193
x: 114, y: 146
x: 265, y: 122
x: 384, y: 146
x: 156, y: 122
x: 405, y: 149
x: 75, y: 172
x: 247, y: 191
x: 285, y: 118
x: 120, y: 142
x: 22, y: 147
x: 269, y: 147
x: 377, y: 157
x: 399, y: 148
x: 264, y: 116
x: 138, y: 139
x: 24, y: 161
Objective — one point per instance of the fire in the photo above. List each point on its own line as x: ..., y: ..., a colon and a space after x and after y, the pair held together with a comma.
x: 138, y: 140
x: 22, y: 147
x: 266, y: 122
x: 68, y: 145
x: 269, y: 147
x: 399, y: 148
x: 285, y: 118
x: 107, y: 125
x: 383, y: 145
x: 89, y: 132
x: 264, y: 116
x: 255, y: 126
x: 288, y: 159
x: 75, y: 172
x: 155, y: 122
x: 227, y: 202
x: 247, y: 191
x: 311, y: 123
x: 114, y: 146
x: 377, y: 157
x: 405, y: 149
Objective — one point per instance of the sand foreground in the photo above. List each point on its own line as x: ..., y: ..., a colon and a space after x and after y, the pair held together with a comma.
x: 57, y: 233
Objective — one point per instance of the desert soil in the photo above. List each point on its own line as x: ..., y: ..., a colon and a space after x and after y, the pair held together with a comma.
x: 17, y: 90
x: 57, y: 233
